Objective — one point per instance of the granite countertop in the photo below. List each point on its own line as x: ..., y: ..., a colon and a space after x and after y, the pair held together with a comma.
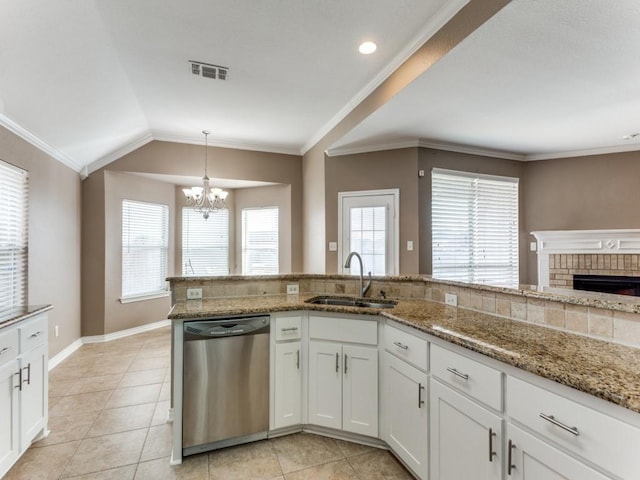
x: 606, y: 370
x: 17, y: 314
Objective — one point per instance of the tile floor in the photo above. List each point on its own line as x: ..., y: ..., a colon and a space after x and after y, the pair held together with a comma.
x: 108, y: 405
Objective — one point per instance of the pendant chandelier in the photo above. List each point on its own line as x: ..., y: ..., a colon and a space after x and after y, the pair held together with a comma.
x: 206, y: 199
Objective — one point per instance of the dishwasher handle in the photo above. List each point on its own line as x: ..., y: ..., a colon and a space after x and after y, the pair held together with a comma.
x: 225, y: 327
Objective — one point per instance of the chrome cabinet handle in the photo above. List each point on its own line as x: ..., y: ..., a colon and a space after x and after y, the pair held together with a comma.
x: 457, y: 373
x: 345, y: 363
x: 5, y: 350
x: 420, y: 400
x: 510, y: 465
x: 298, y: 359
x: 28, y: 369
x: 551, y: 419
x: 19, y: 386
x: 337, y: 362
x: 491, y: 452
x: 34, y: 335
x: 289, y: 329
x: 401, y: 345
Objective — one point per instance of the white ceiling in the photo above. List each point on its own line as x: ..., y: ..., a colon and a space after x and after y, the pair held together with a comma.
x: 90, y: 80
x: 541, y: 79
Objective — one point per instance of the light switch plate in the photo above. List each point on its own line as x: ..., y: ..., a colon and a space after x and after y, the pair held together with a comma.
x: 333, y: 246
x: 410, y: 245
x: 194, y: 293
x: 451, y: 299
x: 293, y: 289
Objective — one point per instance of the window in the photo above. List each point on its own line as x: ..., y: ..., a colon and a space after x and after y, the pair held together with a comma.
x: 14, y: 211
x: 205, y: 243
x: 368, y: 237
x: 260, y: 241
x: 145, y: 233
x: 474, y: 221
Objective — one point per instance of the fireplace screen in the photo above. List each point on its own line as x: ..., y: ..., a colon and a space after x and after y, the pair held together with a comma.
x: 608, y: 284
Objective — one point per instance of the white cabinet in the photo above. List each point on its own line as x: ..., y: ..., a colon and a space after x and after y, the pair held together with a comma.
x: 288, y: 385
x: 529, y: 458
x: 9, y: 412
x: 406, y: 413
x: 465, y: 437
x: 33, y: 404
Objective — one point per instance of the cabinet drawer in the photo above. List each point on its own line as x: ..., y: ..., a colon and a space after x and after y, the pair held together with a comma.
x: 8, y: 345
x: 475, y: 379
x: 599, y: 438
x: 33, y: 333
x: 408, y: 347
x: 343, y: 329
x: 288, y: 328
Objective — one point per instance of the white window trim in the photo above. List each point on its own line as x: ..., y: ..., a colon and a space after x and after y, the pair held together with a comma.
x: 140, y: 298
x: 395, y: 250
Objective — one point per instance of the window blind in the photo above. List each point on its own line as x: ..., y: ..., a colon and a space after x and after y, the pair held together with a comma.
x: 260, y: 241
x: 205, y: 243
x: 145, y: 233
x: 14, y: 217
x: 368, y: 237
x: 474, y: 221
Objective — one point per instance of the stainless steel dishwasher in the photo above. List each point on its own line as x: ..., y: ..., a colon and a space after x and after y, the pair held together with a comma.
x: 225, y: 399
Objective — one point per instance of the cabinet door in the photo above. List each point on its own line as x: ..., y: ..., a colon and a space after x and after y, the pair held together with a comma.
x: 407, y: 414
x: 33, y: 397
x: 325, y: 384
x: 360, y: 390
x: 9, y: 448
x: 288, y: 385
x: 533, y: 459
x: 465, y: 437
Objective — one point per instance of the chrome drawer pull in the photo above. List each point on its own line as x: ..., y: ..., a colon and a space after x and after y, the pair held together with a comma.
x: 510, y: 465
x: 5, y: 350
x: 457, y: 373
x: 28, y: 369
x: 401, y: 345
x: 337, y: 362
x: 289, y: 329
x: 491, y: 452
x: 551, y: 419
x: 420, y: 400
x: 34, y: 335
x: 19, y: 386
x: 298, y: 359
x: 345, y: 363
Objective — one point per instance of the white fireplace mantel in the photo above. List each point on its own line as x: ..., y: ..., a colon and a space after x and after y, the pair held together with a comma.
x: 582, y: 241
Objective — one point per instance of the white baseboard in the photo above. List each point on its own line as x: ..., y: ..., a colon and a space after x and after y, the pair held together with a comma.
x: 58, y: 358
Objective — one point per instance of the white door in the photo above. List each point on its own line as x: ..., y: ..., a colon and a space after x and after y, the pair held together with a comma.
x: 325, y: 384
x: 33, y: 398
x: 465, y: 437
x: 288, y: 385
x: 9, y: 448
x: 532, y: 459
x: 360, y: 390
x: 369, y: 226
x: 406, y: 414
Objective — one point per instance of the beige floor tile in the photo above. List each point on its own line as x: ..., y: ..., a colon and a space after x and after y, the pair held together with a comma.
x: 379, y: 465
x: 120, y: 473
x: 195, y: 467
x: 69, y: 428
x: 350, y: 449
x: 165, y: 392
x: 111, y: 364
x: 123, y: 397
x: 103, y: 453
x: 158, y: 443
x: 43, y: 463
x: 241, y: 453
x: 150, y: 363
x: 299, y: 451
x: 144, y: 377
x: 82, y: 403
x: 155, y: 350
x: 94, y: 384
x: 161, y: 413
x: 340, y: 470
x: 59, y: 388
x: 122, y: 419
x: 262, y: 467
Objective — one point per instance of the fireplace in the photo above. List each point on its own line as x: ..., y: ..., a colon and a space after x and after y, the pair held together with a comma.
x: 619, y: 285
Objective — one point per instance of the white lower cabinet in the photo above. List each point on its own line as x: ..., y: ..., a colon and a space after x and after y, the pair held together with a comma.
x: 466, y: 438
x: 343, y: 387
x: 33, y: 405
x: 407, y: 413
x: 529, y: 458
x: 9, y: 412
x: 288, y: 385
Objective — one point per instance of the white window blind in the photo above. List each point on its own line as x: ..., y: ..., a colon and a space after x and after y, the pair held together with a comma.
x: 260, y: 241
x: 14, y: 212
x: 145, y: 233
x: 474, y: 221
x: 368, y: 237
x: 205, y: 243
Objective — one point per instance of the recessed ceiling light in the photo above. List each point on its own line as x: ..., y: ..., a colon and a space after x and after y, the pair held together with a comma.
x: 631, y: 136
x: 367, y: 48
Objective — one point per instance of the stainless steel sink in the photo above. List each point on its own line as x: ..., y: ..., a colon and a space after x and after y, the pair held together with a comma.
x: 352, y: 302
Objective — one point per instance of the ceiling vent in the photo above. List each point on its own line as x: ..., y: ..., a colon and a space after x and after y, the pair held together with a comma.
x: 208, y: 70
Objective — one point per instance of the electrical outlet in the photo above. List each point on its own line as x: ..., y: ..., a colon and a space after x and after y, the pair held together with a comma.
x: 56, y: 330
x: 333, y: 246
x: 533, y: 246
x: 293, y: 289
x: 451, y: 299
x: 194, y: 293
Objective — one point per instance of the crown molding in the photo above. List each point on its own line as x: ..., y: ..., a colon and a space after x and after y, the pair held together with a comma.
x: 380, y: 147
x: 40, y: 144
x: 118, y: 153
x: 213, y: 142
x: 434, y: 24
x: 584, y: 152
